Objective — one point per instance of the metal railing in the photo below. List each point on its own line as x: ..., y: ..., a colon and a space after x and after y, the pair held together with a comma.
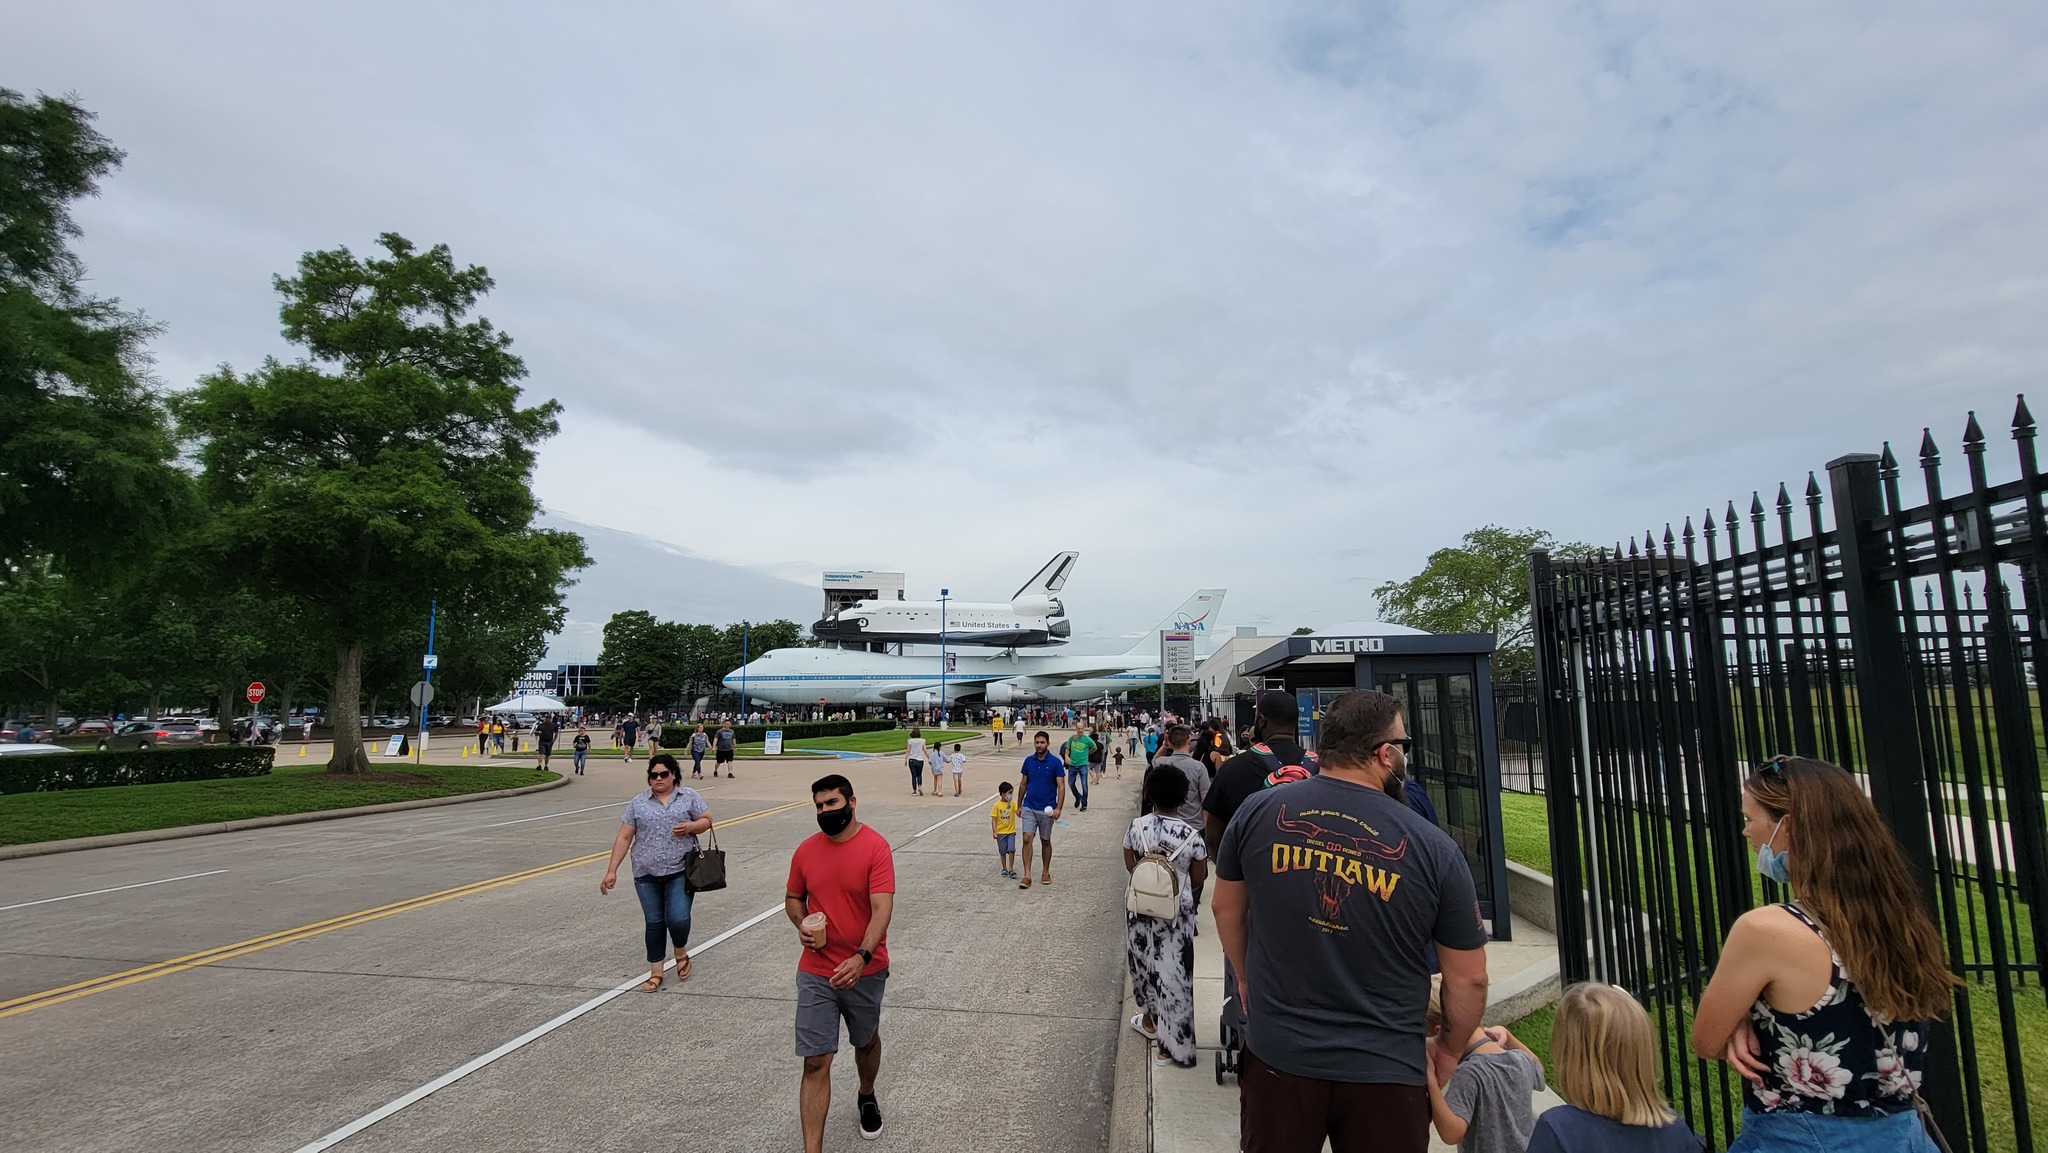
x: 1898, y: 641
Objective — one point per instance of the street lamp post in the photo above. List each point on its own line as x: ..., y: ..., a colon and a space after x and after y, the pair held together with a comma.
x: 943, y: 594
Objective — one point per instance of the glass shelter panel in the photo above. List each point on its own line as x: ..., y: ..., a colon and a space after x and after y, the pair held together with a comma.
x: 1442, y: 714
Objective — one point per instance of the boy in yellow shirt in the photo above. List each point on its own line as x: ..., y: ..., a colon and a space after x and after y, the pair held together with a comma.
x: 1002, y: 821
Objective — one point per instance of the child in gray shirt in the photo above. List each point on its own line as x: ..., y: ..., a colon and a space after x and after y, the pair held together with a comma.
x: 1486, y: 1107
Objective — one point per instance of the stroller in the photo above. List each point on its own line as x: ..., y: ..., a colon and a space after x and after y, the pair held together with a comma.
x: 1231, y: 1022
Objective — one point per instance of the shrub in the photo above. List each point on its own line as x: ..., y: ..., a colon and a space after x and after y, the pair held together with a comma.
x: 677, y: 735
x: 48, y: 772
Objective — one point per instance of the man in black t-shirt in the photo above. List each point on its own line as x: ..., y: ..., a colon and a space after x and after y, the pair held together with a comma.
x: 1245, y: 774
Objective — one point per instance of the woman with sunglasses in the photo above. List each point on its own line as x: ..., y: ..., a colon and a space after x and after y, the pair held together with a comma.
x: 1823, y: 1003
x: 660, y: 826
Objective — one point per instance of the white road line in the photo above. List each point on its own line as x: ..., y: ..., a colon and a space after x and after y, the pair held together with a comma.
x: 956, y: 816
x: 115, y: 889
x: 552, y: 816
x: 452, y: 1076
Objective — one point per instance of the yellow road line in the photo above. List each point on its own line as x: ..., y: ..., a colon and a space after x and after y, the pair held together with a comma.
x: 63, y: 993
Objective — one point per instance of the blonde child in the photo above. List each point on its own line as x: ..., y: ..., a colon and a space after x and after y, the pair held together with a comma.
x: 1605, y: 1053
x: 1002, y: 823
x: 1486, y: 1106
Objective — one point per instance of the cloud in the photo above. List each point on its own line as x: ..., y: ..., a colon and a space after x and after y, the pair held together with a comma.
x: 1282, y: 296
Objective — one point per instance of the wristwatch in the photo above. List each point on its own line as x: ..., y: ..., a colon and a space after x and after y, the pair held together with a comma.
x: 867, y: 956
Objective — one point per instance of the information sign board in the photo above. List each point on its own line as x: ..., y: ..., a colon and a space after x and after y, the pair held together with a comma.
x: 1177, y: 658
x: 771, y: 743
x: 395, y: 746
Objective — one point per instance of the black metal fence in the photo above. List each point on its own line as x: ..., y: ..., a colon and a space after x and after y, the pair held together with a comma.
x: 1902, y: 642
x: 1517, y: 733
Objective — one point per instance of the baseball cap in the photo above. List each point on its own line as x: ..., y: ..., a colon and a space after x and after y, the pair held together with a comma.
x: 1278, y: 705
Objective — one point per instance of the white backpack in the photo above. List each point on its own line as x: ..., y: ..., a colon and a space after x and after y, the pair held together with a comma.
x: 1155, y: 884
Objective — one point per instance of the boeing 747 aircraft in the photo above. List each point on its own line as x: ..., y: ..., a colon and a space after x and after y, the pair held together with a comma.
x: 852, y: 677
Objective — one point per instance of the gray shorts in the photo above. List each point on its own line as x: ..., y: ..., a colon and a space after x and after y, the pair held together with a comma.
x: 1038, y: 823
x: 820, y: 1008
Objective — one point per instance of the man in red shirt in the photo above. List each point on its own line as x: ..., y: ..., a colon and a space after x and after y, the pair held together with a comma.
x: 846, y: 873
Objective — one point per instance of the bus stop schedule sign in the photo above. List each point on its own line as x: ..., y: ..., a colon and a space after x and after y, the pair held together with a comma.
x: 771, y: 743
x: 1177, y: 658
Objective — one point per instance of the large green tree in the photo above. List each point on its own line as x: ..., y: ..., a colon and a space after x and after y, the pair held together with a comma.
x: 85, y: 453
x: 1480, y: 585
x: 56, y: 634
x: 389, y: 465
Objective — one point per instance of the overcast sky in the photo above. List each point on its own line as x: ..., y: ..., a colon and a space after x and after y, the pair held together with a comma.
x: 1277, y: 297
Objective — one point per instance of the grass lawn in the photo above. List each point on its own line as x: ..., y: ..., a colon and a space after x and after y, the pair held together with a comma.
x: 881, y: 741
x: 29, y: 817
x: 1525, y: 829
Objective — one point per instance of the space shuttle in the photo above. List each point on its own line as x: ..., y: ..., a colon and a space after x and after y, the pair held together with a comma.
x: 1031, y: 618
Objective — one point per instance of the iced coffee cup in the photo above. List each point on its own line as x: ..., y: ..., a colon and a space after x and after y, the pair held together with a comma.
x: 814, y: 930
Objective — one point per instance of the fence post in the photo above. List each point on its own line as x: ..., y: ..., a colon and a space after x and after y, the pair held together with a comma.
x: 1556, y: 733
x: 1891, y: 738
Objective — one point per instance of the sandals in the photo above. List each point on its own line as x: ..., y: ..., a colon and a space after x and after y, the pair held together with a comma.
x: 1025, y: 883
x: 651, y: 984
x: 1138, y: 1023
x: 682, y: 968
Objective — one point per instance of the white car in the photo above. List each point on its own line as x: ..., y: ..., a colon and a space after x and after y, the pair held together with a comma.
x: 17, y: 750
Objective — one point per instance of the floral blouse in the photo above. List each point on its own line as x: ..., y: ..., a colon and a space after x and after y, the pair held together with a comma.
x: 1835, y: 1059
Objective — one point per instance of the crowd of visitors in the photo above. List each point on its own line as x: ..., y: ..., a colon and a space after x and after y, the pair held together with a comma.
x: 1355, y: 956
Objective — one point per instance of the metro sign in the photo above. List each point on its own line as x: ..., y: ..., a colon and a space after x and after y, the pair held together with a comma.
x: 1347, y: 645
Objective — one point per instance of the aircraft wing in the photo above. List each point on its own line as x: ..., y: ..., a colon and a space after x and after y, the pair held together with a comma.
x: 1065, y: 675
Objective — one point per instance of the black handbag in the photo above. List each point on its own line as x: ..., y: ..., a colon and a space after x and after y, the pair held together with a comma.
x: 704, y: 869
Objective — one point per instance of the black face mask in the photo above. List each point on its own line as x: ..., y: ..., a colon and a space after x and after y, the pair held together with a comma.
x: 834, y: 821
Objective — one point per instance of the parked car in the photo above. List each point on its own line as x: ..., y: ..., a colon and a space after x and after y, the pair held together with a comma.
x: 153, y: 734
x: 93, y: 727
x: 21, y: 731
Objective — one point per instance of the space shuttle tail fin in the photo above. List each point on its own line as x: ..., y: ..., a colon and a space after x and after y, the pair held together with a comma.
x: 1049, y: 579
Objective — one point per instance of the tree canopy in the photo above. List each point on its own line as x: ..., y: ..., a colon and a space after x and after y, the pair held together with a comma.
x: 1478, y: 586
x: 390, y: 463
x: 85, y: 453
x: 669, y: 664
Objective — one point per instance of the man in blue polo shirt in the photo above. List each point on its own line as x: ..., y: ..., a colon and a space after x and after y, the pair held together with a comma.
x: 1042, y: 801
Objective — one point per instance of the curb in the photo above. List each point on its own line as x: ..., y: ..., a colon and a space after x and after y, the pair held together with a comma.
x: 179, y: 832
x: 1130, y: 1097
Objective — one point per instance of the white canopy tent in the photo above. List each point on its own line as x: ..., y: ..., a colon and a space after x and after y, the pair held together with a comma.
x: 528, y: 703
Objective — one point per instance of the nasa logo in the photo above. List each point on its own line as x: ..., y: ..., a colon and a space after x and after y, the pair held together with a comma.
x: 1348, y: 645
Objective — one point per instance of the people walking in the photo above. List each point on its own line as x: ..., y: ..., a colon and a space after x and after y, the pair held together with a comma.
x: 629, y: 735
x: 840, y: 896
x: 1043, y: 800
x: 1273, y: 748
x: 1604, y: 1059
x: 1098, y: 756
x: 956, y: 766
x: 660, y: 827
x: 1487, y: 1104
x: 995, y: 728
x: 580, y: 748
x: 1160, y: 950
x: 1825, y: 1004
x: 497, y: 736
x: 914, y: 754
x: 544, y: 741
x: 1002, y: 824
x: 700, y: 743
x: 483, y: 736
x: 723, y: 749
x: 1328, y: 893
x: 1151, y: 740
x: 1076, y: 752
x: 1177, y: 738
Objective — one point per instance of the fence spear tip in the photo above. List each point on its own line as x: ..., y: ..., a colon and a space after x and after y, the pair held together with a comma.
x: 1784, y: 497
x: 1756, y: 503
x: 1928, y: 453
x: 1973, y: 436
x: 2022, y: 420
x: 1887, y: 464
x: 1812, y: 487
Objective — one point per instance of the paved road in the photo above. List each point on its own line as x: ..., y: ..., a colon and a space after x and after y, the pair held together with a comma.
x: 291, y: 981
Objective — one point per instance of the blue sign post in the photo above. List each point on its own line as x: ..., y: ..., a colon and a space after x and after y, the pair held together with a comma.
x: 943, y: 594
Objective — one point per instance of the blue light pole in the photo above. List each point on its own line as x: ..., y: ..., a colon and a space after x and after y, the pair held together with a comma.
x: 943, y: 594
x: 745, y: 629
x: 433, y: 610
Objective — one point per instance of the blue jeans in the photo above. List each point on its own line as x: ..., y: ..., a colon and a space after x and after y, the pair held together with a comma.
x: 1810, y: 1133
x: 580, y: 755
x: 665, y: 902
x: 1077, y: 779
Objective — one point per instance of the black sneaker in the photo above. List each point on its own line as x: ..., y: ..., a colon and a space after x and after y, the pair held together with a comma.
x: 870, y: 1116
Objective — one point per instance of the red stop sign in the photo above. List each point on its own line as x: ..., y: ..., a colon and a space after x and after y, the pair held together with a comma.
x: 255, y: 692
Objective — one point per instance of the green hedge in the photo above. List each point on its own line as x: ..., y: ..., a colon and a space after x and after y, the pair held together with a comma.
x: 49, y: 772
x: 675, y: 736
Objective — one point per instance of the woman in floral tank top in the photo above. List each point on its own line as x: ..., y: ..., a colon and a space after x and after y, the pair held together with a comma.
x: 1824, y: 1004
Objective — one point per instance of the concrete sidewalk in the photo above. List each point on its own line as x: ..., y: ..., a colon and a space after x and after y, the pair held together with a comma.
x: 1191, y: 1113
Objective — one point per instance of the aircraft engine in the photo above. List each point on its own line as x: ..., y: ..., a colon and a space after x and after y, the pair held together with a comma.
x: 1011, y: 693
